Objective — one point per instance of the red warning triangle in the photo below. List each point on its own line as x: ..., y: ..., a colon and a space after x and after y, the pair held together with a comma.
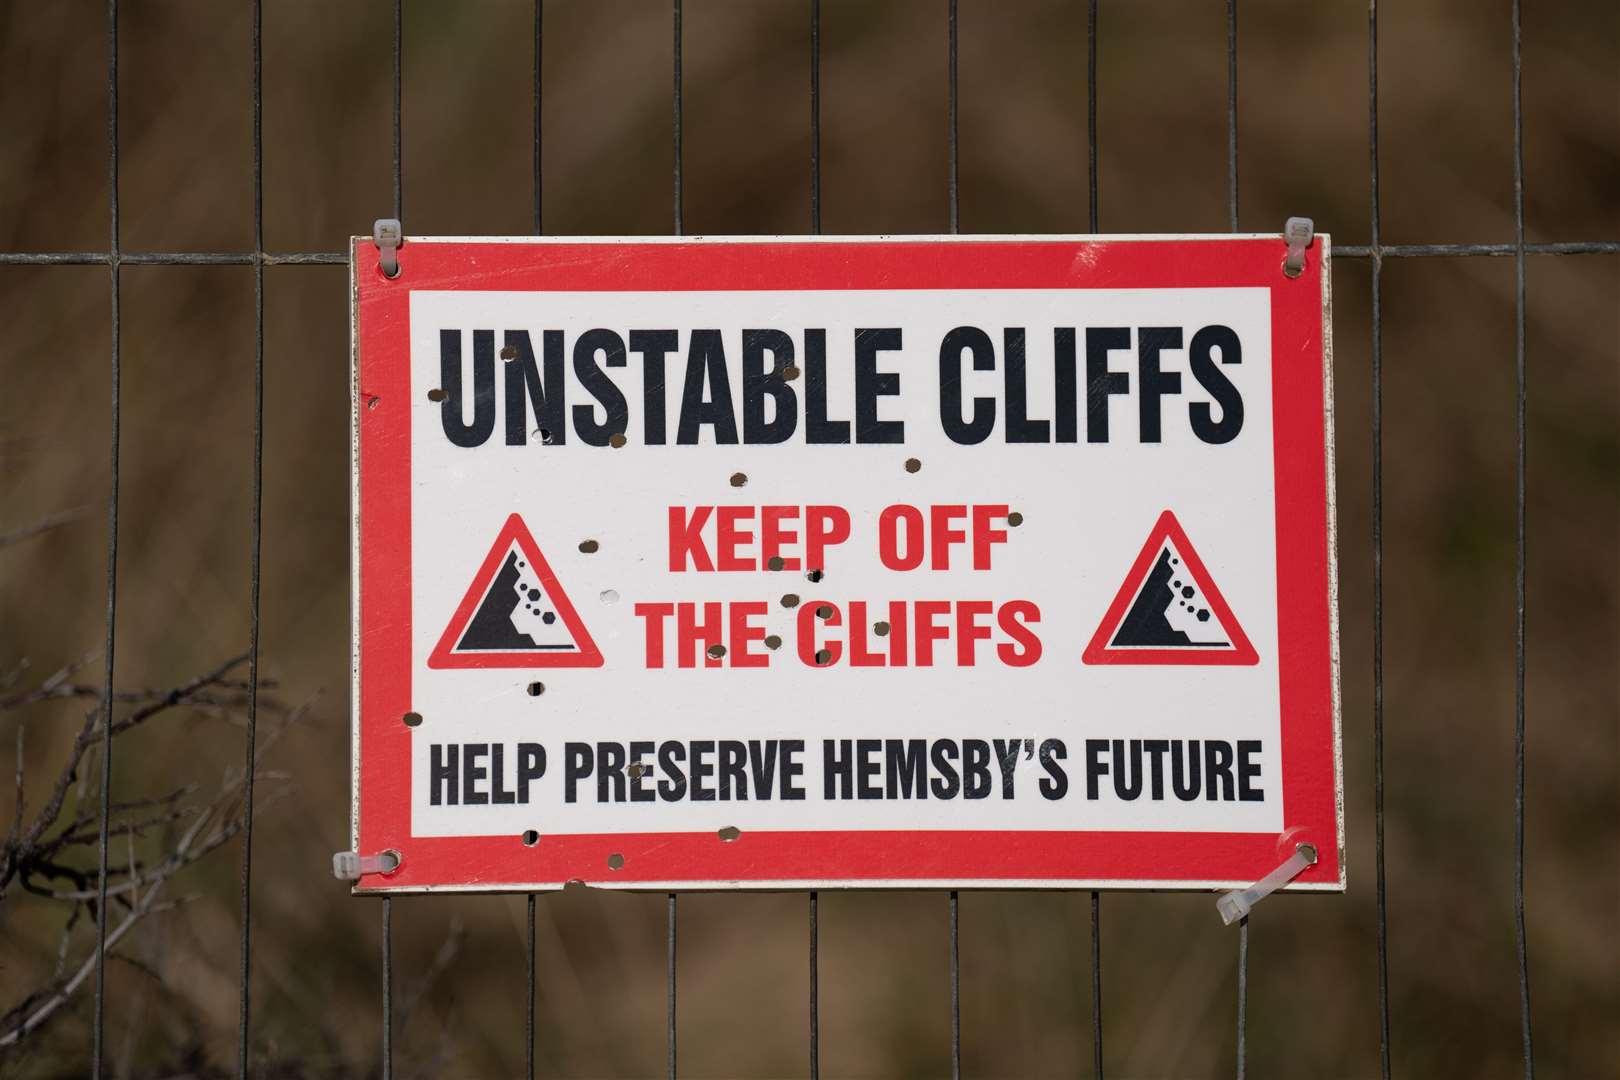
x: 516, y: 614
x: 1169, y: 610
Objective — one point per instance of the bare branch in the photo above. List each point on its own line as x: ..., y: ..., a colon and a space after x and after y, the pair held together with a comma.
x: 31, y: 858
x: 17, y: 849
x: 57, y: 998
x: 137, y: 827
x: 43, y: 525
x: 22, y: 802
x: 443, y: 961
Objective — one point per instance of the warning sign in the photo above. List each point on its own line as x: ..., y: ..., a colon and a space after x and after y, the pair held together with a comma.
x: 515, y: 614
x: 843, y: 563
x: 1169, y: 611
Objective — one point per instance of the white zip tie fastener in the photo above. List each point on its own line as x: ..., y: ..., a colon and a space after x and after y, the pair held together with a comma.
x: 1238, y: 903
x: 349, y: 865
x: 1298, y: 232
x: 388, y: 235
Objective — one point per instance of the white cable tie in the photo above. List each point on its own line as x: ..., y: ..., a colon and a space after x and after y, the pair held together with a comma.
x: 350, y: 865
x: 1298, y: 234
x: 1237, y: 903
x: 388, y: 235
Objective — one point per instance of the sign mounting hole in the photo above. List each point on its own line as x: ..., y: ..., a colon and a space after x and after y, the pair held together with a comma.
x: 615, y: 861
x: 413, y: 719
x: 531, y: 838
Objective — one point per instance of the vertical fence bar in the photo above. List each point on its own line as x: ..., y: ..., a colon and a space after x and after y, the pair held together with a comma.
x: 670, y: 974
x: 1232, y: 221
x: 1377, y: 253
x: 956, y: 993
x: 399, y: 213
x: 815, y: 1004
x: 1096, y: 986
x: 1519, y: 549
x: 105, y: 809
x: 953, y: 194
x: 815, y: 228
x: 676, y: 100
x: 249, y: 767
x: 399, y: 86
x: 388, y: 988
x: 815, y: 116
x: 539, y: 22
x: 1231, y: 112
x: 1091, y: 110
x: 528, y: 1011
x: 1091, y: 186
x: 1243, y: 998
x: 531, y: 973
x: 951, y: 110
x: 669, y: 991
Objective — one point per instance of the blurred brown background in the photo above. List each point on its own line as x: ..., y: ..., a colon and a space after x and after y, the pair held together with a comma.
x: 1169, y: 966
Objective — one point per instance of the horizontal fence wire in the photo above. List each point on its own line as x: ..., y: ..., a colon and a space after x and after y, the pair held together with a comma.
x: 114, y: 258
x: 339, y: 258
x: 173, y: 258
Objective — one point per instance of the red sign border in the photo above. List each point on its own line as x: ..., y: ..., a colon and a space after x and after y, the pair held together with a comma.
x: 1101, y: 652
x: 1306, y: 571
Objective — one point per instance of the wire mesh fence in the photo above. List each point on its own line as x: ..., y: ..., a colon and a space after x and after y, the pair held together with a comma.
x: 1374, y: 253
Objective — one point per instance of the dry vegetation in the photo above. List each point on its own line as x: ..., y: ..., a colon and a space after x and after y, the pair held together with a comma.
x: 1169, y: 964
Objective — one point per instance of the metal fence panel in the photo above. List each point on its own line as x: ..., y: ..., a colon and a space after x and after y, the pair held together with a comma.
x: 1375, y: 251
